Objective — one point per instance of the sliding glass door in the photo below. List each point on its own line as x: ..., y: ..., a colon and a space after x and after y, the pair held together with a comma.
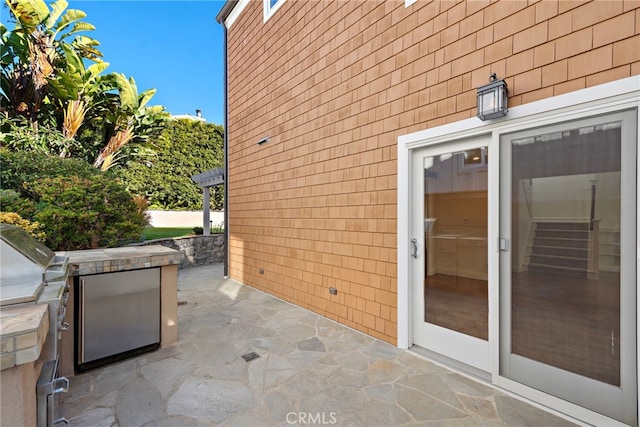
x: 568, y: 262
x: 450, y: 251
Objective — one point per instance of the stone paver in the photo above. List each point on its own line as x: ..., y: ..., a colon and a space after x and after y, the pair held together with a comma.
x: 311, y: 371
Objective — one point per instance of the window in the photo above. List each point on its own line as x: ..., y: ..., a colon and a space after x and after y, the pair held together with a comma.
x: 472, y: 159
x: 270, y: 7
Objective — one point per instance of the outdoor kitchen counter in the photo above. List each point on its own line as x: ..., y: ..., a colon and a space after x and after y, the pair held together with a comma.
x: 111, y: 260
x: 23, y: 331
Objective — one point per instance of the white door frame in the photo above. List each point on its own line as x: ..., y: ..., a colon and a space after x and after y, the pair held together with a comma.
x: 606, y: 98
x: 471, y: 351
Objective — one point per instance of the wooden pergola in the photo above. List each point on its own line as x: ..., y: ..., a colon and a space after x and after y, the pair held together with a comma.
x: 206, y: 180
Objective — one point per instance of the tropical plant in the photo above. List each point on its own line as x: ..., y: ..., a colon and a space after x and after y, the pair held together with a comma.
x: 17, y: 134
x: 34, y: 50
x: 47, y: 85
x: 134, y: 122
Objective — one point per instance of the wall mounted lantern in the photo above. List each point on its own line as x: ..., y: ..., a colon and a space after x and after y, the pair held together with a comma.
x: 263, y: 140
x: 492, y: 99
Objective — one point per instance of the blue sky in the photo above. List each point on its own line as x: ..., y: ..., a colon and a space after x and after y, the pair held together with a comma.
x: 176, y: 47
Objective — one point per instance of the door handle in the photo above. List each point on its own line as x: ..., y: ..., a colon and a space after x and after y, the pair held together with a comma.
x: 503, y: 244
x: 414, y: 247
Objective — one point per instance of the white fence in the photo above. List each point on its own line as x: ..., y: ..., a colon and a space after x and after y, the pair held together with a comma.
x: 183, y: 218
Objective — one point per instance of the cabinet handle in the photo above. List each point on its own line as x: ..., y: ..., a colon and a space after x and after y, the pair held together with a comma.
x: 61, y: 385
x: 81, y: 316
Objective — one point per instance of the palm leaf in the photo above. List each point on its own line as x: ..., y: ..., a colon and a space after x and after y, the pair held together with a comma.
x: 146, y: 97
x: 85, y: 41
x: 77, y: 27
x: 63, y: 87
x: 74, y: 61
x: 85, y: 46
x: 109, y: 154
x: 29, y: 13
x: 67, y: 19
x: 57, y: 8
x: 94, y: 69
x: 128, y: 92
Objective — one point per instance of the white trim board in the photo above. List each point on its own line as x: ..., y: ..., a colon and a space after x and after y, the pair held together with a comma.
x: 618, y: 95
x: 235, y: 12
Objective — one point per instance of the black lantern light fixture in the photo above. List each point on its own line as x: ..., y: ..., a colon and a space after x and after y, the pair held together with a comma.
x: 492, y: 99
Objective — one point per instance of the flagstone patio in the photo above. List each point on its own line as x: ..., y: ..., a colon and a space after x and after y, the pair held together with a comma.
x: 310, y: 371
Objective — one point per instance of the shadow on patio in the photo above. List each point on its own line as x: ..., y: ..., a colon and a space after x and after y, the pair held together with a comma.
x: 311, y: 371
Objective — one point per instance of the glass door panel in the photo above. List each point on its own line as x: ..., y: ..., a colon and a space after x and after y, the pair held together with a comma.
x: 566, y: 279
x: 451, y: 305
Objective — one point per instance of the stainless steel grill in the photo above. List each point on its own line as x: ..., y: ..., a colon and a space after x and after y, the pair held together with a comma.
x: 31, y: 273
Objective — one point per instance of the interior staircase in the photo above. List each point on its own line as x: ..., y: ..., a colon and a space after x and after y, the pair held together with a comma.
x: 559, y: 248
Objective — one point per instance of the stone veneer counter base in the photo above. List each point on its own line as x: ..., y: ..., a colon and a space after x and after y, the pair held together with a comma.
x: 110, y: 260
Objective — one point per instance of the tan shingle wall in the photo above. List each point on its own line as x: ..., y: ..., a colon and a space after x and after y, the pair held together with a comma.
x: 333, y: 84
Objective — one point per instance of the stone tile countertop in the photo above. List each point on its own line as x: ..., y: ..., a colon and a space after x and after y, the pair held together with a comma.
x: 93, y: 261
x: 23, y: 331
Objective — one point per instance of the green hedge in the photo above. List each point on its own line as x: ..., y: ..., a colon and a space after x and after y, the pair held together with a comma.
x: 186, y: 148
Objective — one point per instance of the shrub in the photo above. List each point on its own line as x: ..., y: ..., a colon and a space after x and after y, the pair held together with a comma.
x: 78, y: 206
x: 83, y: 213
x: 20, y: 167
x: 10, y: 201
x: 33, y: 228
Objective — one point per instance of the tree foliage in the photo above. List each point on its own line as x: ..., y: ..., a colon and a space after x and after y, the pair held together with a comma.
x: 53, y: 88
x: 186, y: 148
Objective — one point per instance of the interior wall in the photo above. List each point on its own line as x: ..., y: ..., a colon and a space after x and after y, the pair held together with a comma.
x: 460, y: 212
x: 566, y: 198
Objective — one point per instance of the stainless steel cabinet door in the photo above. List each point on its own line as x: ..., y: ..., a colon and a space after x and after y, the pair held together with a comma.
x: 118, y: 312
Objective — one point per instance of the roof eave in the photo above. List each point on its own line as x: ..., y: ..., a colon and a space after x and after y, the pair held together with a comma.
x: 225, y: 11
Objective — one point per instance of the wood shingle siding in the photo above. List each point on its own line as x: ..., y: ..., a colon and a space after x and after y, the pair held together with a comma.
x: 334, y: 83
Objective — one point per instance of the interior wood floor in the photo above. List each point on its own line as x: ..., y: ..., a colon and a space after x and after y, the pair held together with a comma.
x: 569, y: 323
x: 457, y: 303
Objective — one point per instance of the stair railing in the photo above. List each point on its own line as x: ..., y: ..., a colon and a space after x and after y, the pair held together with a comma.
x: 593, y: 269
x: 526, y: 196
x: 592, y: 216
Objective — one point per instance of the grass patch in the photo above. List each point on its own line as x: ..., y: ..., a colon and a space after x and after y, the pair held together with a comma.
x: 152, y: 233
